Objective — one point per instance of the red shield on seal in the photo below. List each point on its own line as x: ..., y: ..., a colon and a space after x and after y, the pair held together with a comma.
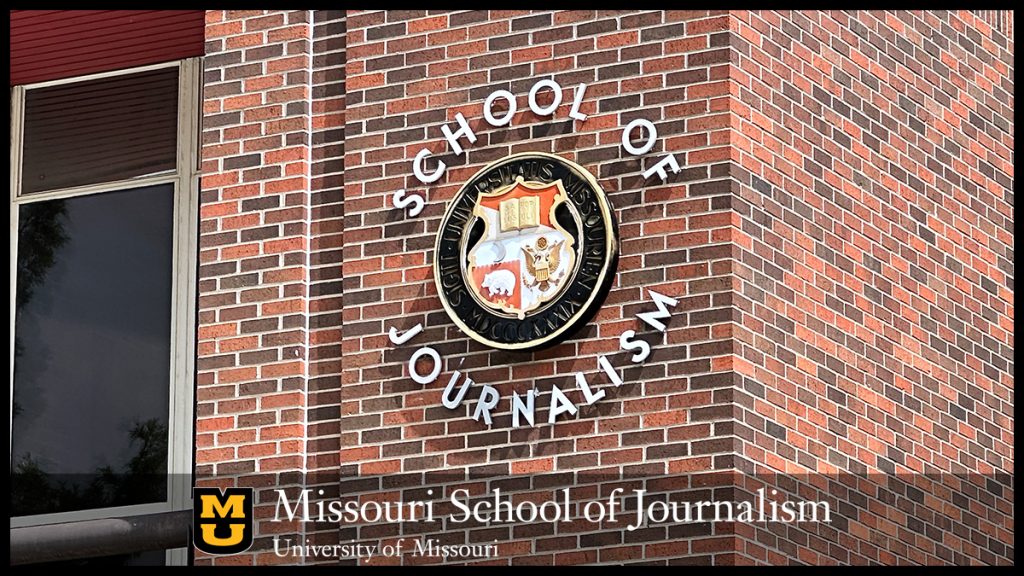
x: 525, y: 257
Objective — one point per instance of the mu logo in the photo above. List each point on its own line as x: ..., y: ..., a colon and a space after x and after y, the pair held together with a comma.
x: 222, y: 522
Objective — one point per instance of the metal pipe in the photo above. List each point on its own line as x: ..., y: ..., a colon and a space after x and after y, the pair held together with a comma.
x: 95, y: 538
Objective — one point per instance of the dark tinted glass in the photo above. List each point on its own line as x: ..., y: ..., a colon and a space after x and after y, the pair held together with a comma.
x: 92, y: 351
x: 100, y: 130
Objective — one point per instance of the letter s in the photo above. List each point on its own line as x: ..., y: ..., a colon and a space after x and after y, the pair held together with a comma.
x: 400, y: 200
x: 629, y: 341
x: 456, y: 499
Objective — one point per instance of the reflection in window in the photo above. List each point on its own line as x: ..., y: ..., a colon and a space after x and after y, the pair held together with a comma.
x: 92, y: 351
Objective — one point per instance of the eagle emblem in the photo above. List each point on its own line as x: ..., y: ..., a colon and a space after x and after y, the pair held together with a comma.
x: 525, y: 256
x: 540, y: 261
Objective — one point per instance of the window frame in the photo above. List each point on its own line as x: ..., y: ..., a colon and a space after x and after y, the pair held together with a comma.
x: 185, y: 179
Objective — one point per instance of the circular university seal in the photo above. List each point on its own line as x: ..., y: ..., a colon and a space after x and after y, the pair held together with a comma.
x: 526, y: 251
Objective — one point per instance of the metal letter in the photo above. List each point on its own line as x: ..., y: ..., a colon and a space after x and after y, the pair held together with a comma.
x: 605, y: 365
x: 577, y: 99
x: 488, y: 400
x: 559, y: 403
x: 654, y: 318
x: 524, y: 408
x: 416, y: 376
x: 588, y: 394
x: 628, y: 341
x: 399, y: 340
x: 489, y: 114
x: 659, y: 168
x: 417, y: 168
x: 400, y: 200
x: 453, y: 137
x: 554, y: 103
x: 652, y: 135
x: 445, y: 398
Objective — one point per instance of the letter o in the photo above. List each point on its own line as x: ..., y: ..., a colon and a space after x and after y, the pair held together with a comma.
x: 489, y: 114
x: 652, y: 135
x: 416, y: 376
x: 554, y: 103
x: 589, y: 515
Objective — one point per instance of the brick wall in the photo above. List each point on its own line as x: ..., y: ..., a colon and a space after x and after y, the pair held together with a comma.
x: 838, y: 239
x: 323, y: 433
x: 409, y: 73
x: 874, y: 159
x: 270, y: 240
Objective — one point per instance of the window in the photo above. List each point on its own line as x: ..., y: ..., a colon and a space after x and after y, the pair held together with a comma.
x: 103, y: 227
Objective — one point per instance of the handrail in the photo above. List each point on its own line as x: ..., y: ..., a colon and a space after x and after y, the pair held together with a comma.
x: 104, y: 537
